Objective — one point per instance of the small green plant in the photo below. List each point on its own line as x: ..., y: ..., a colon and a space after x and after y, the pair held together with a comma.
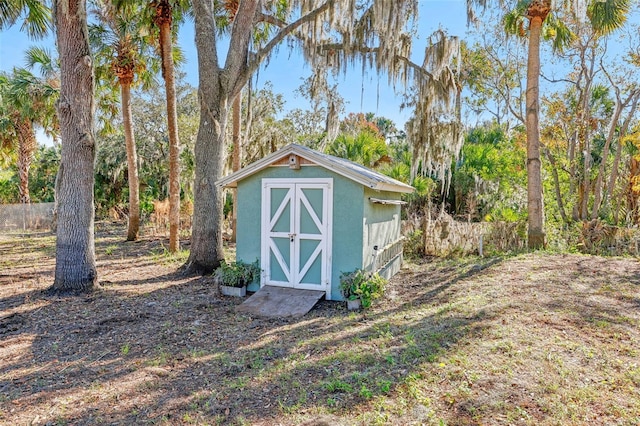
x: 124, y: 350
x: 384, y: 386
x: 337, y: 385
x: 238, y: 273
x: 164, y: 256
x: 365, y: 392
x: 361, y: 285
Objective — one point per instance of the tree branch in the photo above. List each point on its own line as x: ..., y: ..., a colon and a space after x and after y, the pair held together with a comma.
x: 237, y: 55
x: 553, y: 80
x: 260, y: 56
x: 269, y: 19
x: 417, y: 68
x: 205, y: 39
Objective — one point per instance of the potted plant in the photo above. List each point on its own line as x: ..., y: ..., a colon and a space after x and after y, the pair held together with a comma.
x: 234, y: 277
x: 360, y: 288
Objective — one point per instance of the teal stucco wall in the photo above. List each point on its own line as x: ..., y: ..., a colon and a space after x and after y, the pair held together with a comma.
x: 348, y: 212
x: 381, y: 227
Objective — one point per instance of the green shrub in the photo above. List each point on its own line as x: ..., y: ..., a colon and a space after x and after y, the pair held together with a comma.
x: 238, y: 273
x: 413, y: 247
x: 361, y: 285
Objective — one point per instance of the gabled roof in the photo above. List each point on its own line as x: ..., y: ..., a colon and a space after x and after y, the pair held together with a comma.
x: 341, y: 166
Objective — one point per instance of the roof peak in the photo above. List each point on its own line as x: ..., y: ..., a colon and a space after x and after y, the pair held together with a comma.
x: 341, y: 166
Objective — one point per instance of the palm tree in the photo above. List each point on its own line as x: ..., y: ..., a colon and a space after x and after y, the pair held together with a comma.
x: 17, y: 132
x: 121, y: 51
x: 35, y: 18
x: 27, y: 101
x: 365, y: 147
x: 163, y: 19
x: 536, y: 12
x: 604, y: 16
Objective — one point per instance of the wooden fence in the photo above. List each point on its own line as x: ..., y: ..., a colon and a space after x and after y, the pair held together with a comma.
x: 26, y: 216
x: 445, y: 236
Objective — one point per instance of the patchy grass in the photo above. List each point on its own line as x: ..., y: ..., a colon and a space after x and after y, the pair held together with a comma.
x: 535, y: 339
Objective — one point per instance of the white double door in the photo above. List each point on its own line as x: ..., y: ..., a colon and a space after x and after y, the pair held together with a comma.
x: 296, y: 233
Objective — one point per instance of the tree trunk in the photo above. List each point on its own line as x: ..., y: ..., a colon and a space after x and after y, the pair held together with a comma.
x: 164, y: 17
x: 573, y: 140
x: 556, y: 184
x: 132, y: 163
x: 597, y: 190
x: 633, y: 191
x: 26, y: 148
x: 75, y: 246
x: 206, y: 238
x: 248, y: 119
x: 536, y: 236
x: 587, y: 64
x: 621, y: 133
x: 237, y: 157
x: 586, y: 174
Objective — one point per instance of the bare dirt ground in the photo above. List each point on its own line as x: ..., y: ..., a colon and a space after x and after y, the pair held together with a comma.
x: 536, y: 339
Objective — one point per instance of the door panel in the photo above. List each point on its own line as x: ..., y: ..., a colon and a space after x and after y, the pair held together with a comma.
x: 296, y: 237
x: 281, y: 210
x: 280, y: 258
x: 310, y: 271
x: 308, y: 223
x: 311, y: 202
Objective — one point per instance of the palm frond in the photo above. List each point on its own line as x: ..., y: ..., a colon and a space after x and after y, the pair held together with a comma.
x: 558, y: 32
x: 38, y: 56
x: 513, y: 23
x: 35, y: 16
x: 607, y: 16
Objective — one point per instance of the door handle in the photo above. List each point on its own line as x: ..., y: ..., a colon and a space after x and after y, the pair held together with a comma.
x: 291, y: 237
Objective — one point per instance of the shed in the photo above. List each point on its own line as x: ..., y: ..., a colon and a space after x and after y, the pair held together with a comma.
x: 309, y: 216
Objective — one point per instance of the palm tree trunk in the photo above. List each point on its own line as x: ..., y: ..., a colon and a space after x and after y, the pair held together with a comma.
x: 132, y: 163
x: 164, y: 17
x: 26, y: 148
x: 536, y: 236
x: 75, y: 245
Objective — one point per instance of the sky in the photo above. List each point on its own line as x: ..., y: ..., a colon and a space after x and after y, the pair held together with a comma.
x: 362, y: 93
